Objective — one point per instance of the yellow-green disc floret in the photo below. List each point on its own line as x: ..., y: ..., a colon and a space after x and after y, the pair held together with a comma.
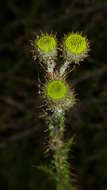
x: 46, y: 43
x: 75, y: 43
x: 56, y: 89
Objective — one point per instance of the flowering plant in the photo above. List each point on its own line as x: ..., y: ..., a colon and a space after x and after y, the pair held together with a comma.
x: 59, y: 97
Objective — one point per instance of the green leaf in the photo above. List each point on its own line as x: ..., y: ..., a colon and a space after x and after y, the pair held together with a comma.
x: 46, y: 169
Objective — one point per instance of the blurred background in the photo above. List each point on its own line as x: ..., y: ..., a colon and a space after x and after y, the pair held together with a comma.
x: 23, y: 135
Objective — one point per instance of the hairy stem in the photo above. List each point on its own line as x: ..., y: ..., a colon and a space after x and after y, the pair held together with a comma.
x: 60, y: 154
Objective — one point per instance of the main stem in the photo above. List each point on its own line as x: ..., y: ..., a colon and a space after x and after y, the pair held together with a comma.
x: 60, y: 156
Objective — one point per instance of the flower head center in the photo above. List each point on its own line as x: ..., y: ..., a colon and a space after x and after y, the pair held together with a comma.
x: 46, y: 43
x: 56, y: 89
x: 75, y: 43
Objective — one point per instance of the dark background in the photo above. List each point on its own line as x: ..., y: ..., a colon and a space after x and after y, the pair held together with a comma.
x: 22, y: 137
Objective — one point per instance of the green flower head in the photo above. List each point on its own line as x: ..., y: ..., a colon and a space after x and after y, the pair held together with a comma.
x: 46, y: 43
x: 46, y: 46
x: 56, y: 90
x: 75, y: 43
x: 58, y: 93
x: 75, y: 47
